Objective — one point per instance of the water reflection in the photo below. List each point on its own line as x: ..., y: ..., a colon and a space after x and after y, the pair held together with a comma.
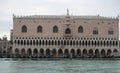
x: 58, y: 66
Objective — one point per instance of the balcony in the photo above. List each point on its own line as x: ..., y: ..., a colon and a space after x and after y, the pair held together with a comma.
x: 67, y: 35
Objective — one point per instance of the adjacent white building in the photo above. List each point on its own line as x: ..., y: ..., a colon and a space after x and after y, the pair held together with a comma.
x: 5, y: 47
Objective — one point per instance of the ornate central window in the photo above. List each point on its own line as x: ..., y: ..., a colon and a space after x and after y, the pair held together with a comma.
x: 68, y: 31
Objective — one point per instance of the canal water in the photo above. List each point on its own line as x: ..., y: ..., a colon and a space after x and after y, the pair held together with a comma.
x: 8, y: 65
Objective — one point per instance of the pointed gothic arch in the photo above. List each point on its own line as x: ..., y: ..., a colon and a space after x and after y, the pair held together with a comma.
x: 78, y: 52
x: 41, y: 52
x: 29, y: 52
x: 90, y: 53
x: 60, y: 52
x: 97, y: 53
x: 95, y: 31
x: 110, y: 31
x: 55, y: 29
x: 48, y: 52
x: 23, y: 51
x: 24, y: 29
x: 103, y: 53
x: 17, y: 51
x: 39, y: 29
x: 109, y: 52
x: 54, y: 52
x: 35, y: 52
x: 68, y: 31
x: 80, y: 29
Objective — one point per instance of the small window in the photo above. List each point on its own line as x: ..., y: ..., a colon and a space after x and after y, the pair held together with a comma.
x: 34, y: 21
x: 108, y: 23
x: 102, y: 21
x: 55, y: 29
x: 19, y: 21
x: 24, y: 29
x: 98, y: 23
x: 48, y: 21
x: 95, y: 31
x: 59, y: 21
x: 39, y: 29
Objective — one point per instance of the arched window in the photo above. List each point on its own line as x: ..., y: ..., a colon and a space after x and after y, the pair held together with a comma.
x: 68, y: 31
x: 80, y: 29
x: 24, y: 28
x: 55, y: 29
x: 39, y: 29
x: 95, y: 31
x: 16, y: 51
x: 110, y: 31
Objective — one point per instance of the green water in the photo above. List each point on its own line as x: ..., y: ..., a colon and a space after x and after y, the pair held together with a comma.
x: 58, y: 66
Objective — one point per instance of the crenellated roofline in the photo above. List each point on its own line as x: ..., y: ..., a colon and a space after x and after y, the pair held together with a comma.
x: 63, y: 16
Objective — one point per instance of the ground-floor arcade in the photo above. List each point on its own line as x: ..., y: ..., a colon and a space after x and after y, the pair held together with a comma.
x: 64, y: 52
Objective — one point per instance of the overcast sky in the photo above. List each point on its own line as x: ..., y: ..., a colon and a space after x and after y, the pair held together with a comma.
x: 109, y: 8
